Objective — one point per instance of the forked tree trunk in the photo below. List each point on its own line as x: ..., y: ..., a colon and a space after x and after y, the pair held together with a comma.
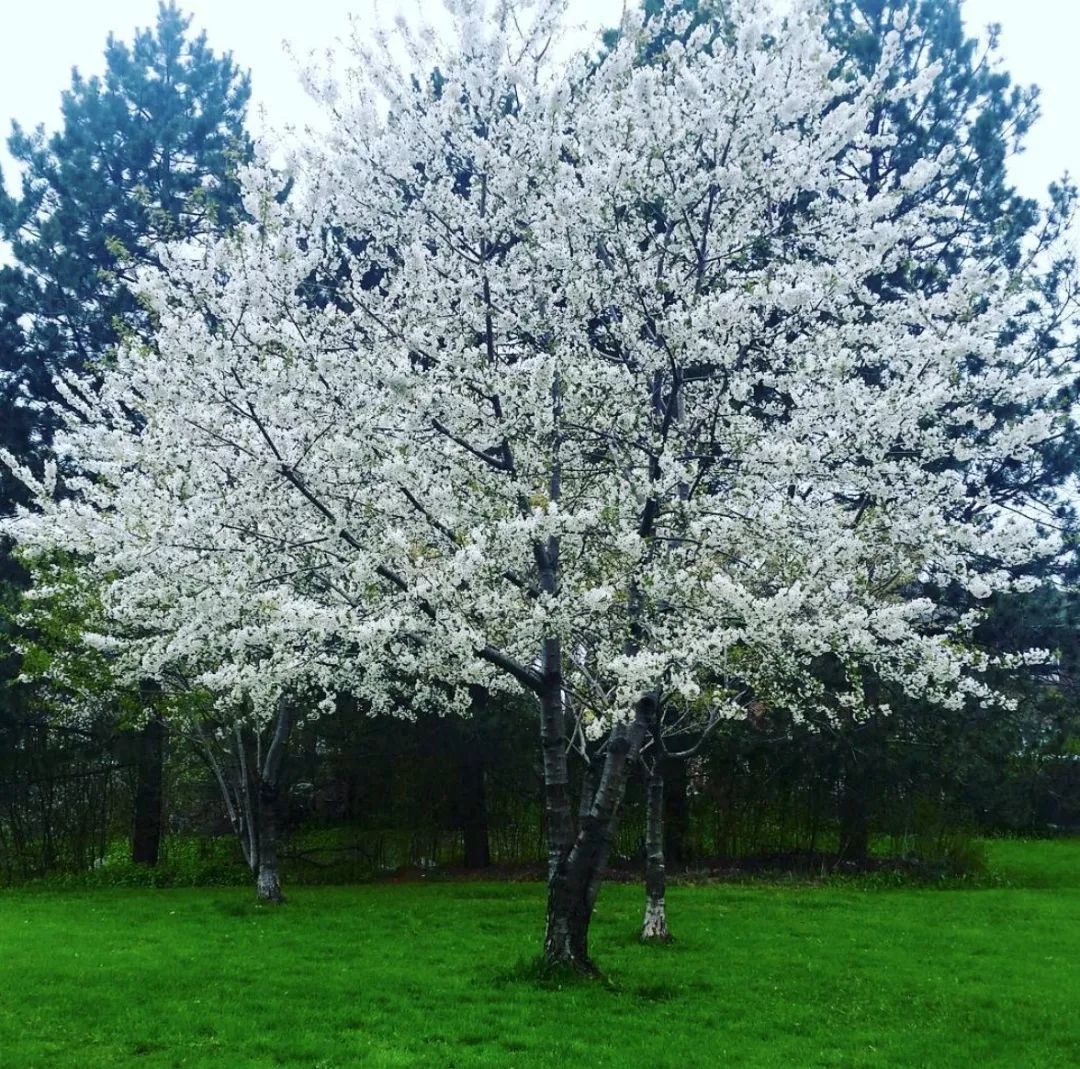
x: 575, y: 861
x: 654, y: 927
x: 566, y: 935
x: 575, y: 873
x: 268, y: 790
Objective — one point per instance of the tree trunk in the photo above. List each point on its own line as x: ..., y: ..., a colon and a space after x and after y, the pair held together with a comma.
x: 566, y: 935
x: 654, y: 927
x: 575, y: 875
x: 268, y: 879
x: 566, y: 932
x: 147, y: 804
x: 271, y: 776
x: 557, y: 819
x: 854, y: 825
x: 575, y: 862
x: 472, y: 799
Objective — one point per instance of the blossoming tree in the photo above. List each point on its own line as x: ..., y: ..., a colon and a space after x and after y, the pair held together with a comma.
x: 581, y: 376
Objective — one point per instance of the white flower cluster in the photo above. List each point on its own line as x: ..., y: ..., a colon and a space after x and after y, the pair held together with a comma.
x: 611, y: 351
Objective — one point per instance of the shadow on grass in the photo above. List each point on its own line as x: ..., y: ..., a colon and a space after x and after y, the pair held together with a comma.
x: 553, y: 976
x: 540, y: 973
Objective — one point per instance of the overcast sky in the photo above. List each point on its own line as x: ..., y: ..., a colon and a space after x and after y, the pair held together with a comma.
x: 43, y: 39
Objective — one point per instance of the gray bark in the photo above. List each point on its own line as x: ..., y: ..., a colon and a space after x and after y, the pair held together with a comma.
x: 576, y: 873
x: 268, y: 881
x: 560, y: 829
x: 654, y: 927
x: 268, y: 878
x: 253, y: 796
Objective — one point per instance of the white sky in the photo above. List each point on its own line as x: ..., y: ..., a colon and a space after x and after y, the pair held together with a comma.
x: 43, y: 39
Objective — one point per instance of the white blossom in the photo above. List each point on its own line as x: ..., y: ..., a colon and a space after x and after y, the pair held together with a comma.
x: 629, y: 319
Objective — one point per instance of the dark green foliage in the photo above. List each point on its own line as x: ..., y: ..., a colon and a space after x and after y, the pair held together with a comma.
x: 978, y: 115
x: 974, y: 109
x: 148, y: 152
x: 975, y: 113
x: 396, y: 792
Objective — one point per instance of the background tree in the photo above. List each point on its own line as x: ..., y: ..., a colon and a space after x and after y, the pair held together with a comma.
x: 148, y: 152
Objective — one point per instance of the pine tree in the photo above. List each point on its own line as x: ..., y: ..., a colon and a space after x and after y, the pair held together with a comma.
x: 147, y: 152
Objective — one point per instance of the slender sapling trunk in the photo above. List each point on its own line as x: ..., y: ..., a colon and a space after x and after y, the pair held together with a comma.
x: 654, y: 927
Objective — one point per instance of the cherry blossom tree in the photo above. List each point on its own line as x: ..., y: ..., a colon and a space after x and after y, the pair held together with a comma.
x: 580, y: 376
x: 89, y: 665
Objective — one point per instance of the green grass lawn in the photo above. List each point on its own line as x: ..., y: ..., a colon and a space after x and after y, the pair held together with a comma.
x: 432, y: 975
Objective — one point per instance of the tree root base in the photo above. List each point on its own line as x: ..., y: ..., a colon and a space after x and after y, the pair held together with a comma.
x: 657, y: 937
